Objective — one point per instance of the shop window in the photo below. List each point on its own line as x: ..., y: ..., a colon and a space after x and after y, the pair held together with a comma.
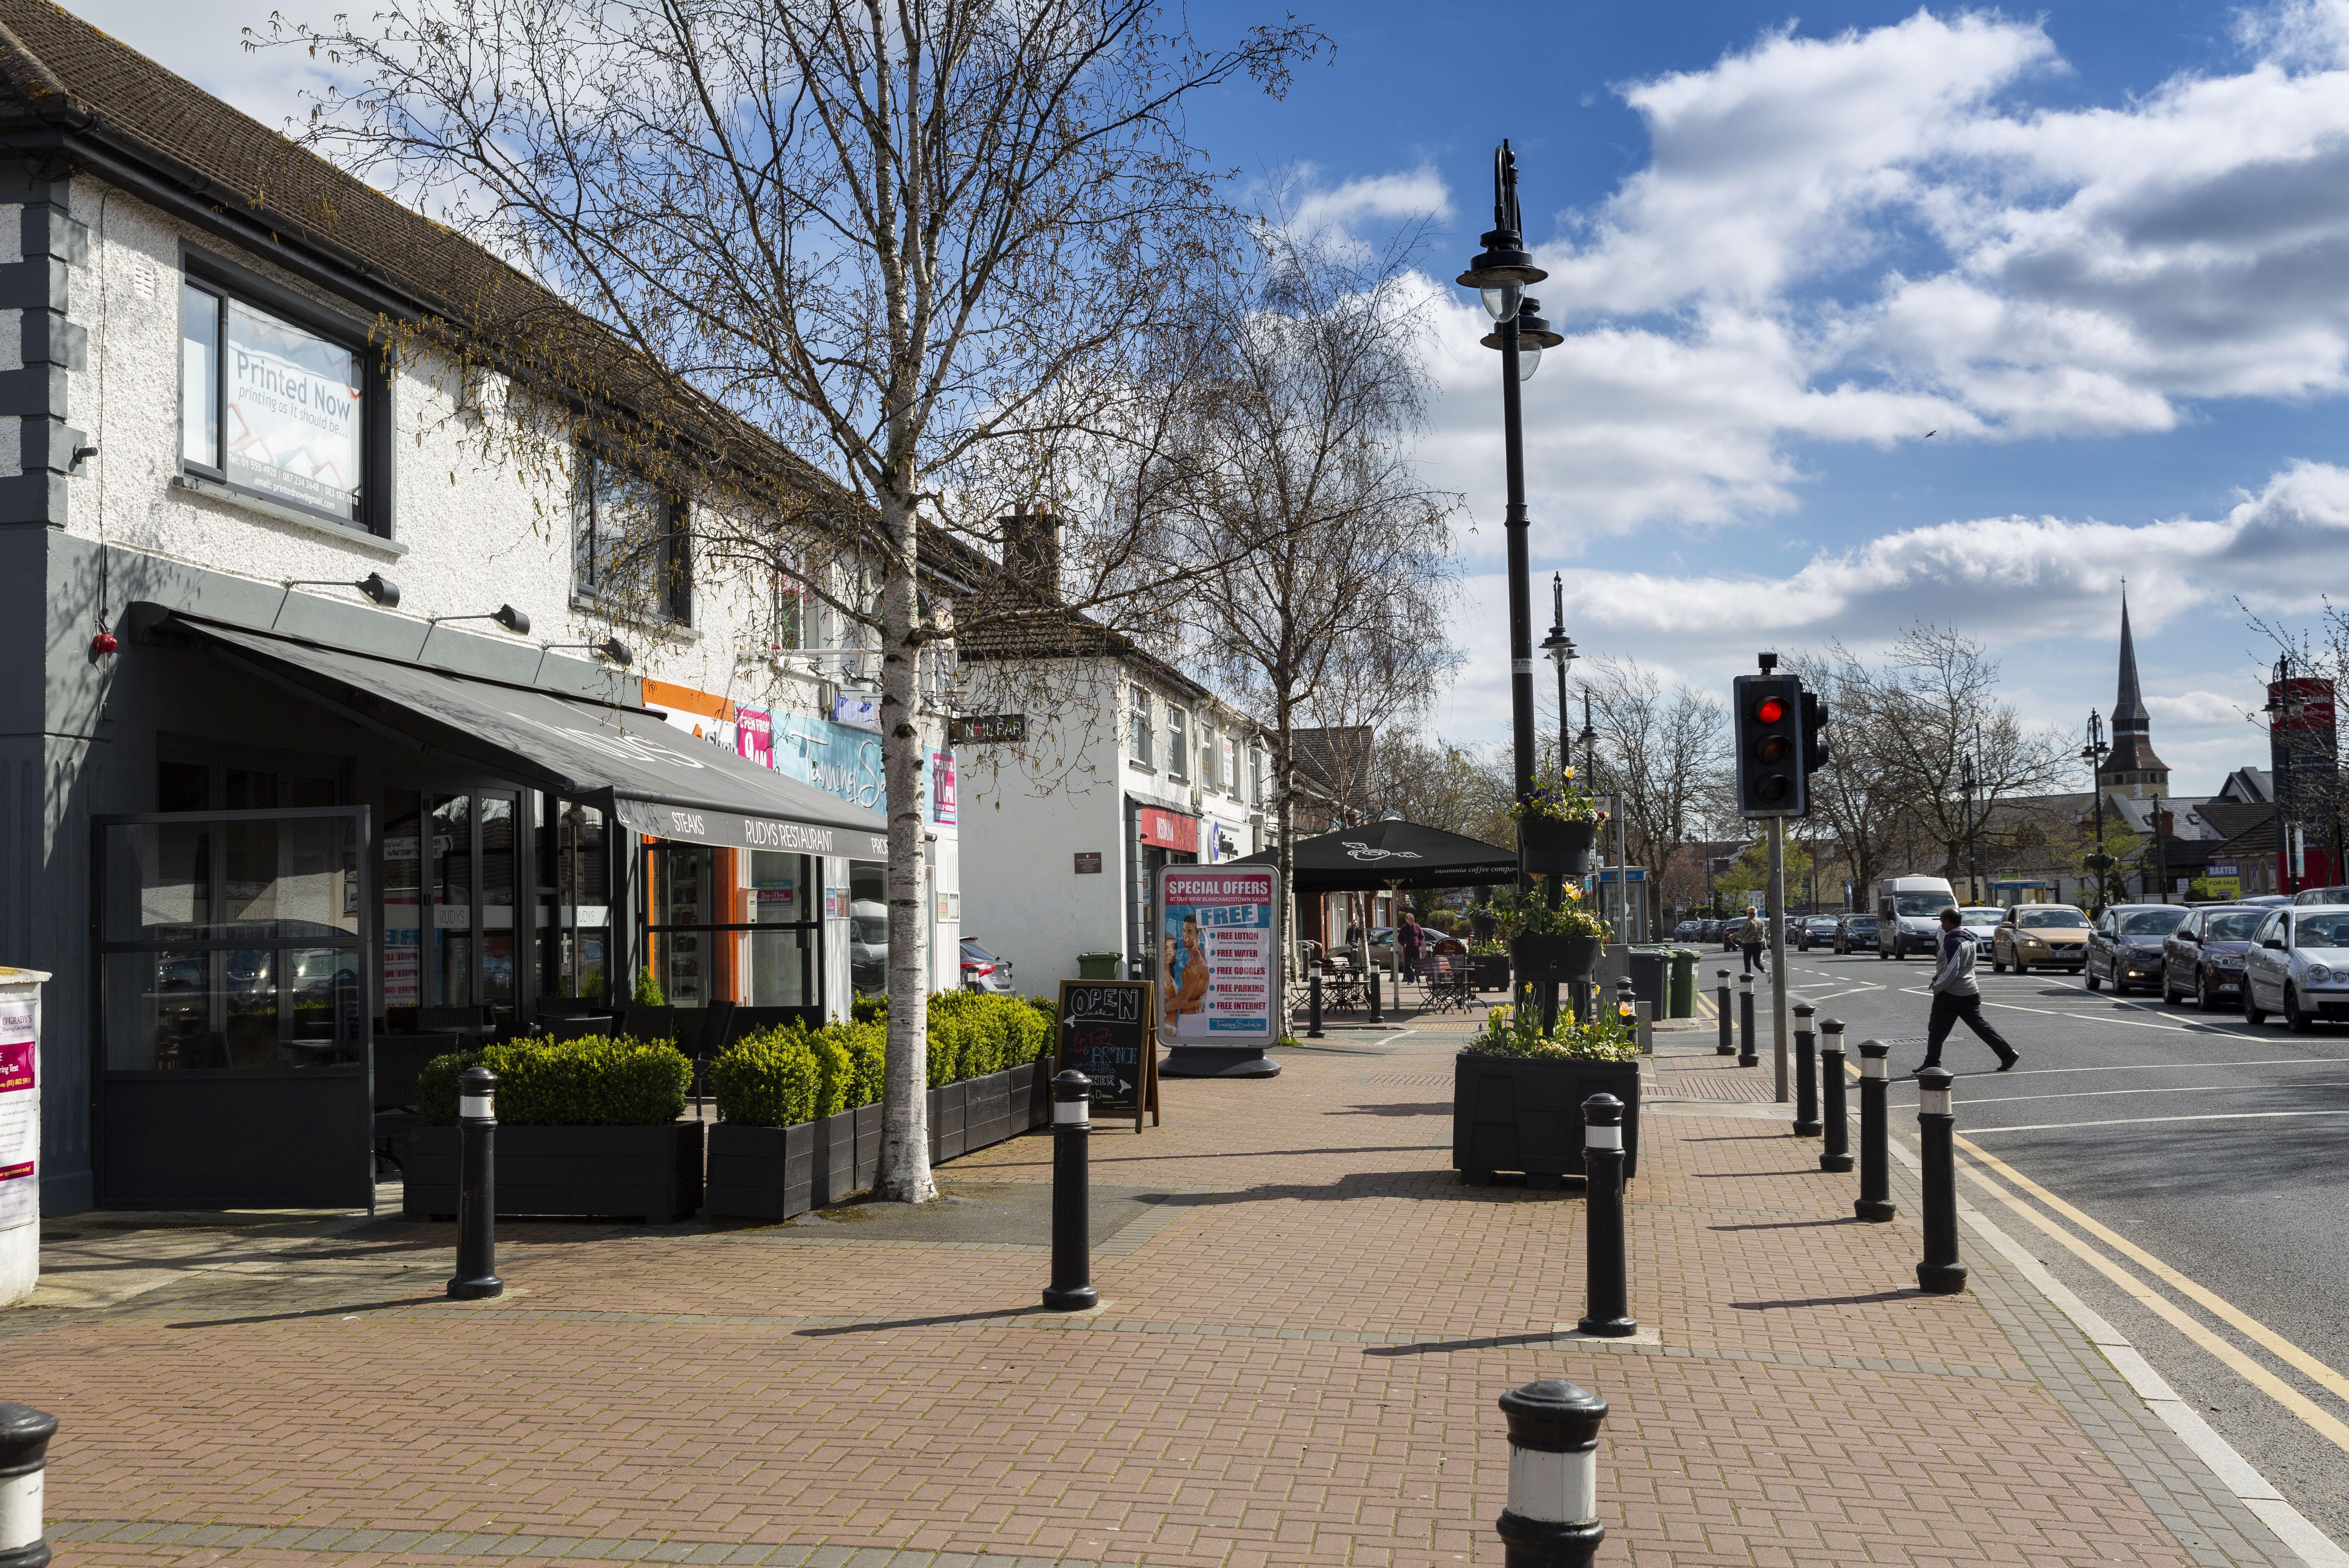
x: 279, y: 401
x: 868, y: 928
x: 630, y: 548
x: 1178, y: 747
x: 574, y: 913
x: 450, y: 937
x: 1138, y: 727
x: 731, y: 925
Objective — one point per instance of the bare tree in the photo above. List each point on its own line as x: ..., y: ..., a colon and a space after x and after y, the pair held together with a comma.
x: 1856, y: 797
x: 1662, y: 756
x: 935, y: 252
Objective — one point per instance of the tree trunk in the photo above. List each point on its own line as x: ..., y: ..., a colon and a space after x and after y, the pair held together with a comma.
x: 904, y: 1172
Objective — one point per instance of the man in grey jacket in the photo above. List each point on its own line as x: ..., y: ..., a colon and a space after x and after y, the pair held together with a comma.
x: 1956, y: 997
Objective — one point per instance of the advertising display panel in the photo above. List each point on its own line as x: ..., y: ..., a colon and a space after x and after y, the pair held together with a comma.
x: 294, y: 403
x: 1217, y: 959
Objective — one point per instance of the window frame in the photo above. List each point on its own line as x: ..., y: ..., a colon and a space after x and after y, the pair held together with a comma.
x: 1178, y: 743
x: 1139, y: 750
x: 677, y: 548
x: 225, y: 280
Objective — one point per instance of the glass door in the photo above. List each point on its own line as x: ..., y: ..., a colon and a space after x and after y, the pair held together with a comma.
x: 234, y: 1036
x: 452, y: 873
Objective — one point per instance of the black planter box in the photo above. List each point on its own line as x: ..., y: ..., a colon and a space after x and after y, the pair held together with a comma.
x: 761, y: 1172
x: 868, y: 1145
x: 1489, y: 973
x: 949, y: 1123
x: 834, y: 1176
x: 1521, y: 1113
x: 650, y: 1174
x: 1552, y: 848
x: 1545, y: 958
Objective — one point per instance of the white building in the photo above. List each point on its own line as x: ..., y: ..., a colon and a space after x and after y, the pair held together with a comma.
x: 405, y: 726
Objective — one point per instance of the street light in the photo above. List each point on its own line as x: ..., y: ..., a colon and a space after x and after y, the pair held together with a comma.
x: 1969, y: 781
x: 2093, y: 754
x: 1559, y: 648
x: 1501, y: 274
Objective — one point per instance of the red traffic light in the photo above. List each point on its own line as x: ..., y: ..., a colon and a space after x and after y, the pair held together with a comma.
x: 1770, y: 709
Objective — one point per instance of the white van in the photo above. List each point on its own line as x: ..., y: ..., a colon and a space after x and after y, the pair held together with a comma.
x: 1909, y: 914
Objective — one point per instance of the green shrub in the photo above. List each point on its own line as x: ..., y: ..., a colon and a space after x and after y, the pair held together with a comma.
x: 772, y: 1078
x: 868, y: 1009
x: 868, y: 1046
x: 649, y: 990
x: 592, y: 1082
x: 835, y: 1072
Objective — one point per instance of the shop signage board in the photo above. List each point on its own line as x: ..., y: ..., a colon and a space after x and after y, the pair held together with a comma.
x: 1216, y: 954
x: 986, y: 729
x: 1165, y: 829
x: 942, y: 789
x: 1108, y: 1032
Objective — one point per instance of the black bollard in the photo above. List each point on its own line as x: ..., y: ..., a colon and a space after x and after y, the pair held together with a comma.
x: 1837, y: 1154
x: 1374, y: 995
x: 1727, y: 1023
x: 1874, y: 1182
x: 24, y: 1435
x: 1807, y: 1073
x: 1313, y: 1007
x: 1607, y: 1301
x: 477, y: 1188
x: 1940, y: 1273
x: 1072, y: 1289
x: 1552, y: 1519
x: 1745, y: 1054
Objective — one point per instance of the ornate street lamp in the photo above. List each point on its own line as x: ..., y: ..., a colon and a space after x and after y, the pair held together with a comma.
x: 2094, y: 754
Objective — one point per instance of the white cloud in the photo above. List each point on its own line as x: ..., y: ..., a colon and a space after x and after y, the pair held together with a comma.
x: 2199, y: 708
x: 1386, y: 198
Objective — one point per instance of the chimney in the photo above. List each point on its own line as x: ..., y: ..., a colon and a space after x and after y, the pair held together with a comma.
x: 1031, y: 553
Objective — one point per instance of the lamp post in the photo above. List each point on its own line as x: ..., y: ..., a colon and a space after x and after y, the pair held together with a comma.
x: 1969, y: 780
x: 2093, y: 754
x: 1501, y: 272
x: 1559, y: 648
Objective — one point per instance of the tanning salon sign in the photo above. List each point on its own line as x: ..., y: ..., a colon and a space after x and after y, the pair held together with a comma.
x: 1215, y: 955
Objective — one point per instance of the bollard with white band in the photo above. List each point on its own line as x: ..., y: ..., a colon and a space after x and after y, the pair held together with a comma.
x: 1836, y: 1154
x: 1313, y: 1004
x: 1939, y: 1272
x: 24, y: 1435
x: 1072, y: 1289
x: 1552, y: 1520
x: 1875, y: 1201
x: 1607, y: 1307
x: 1807, y: 1072
x: 477, y: 1188
x: 1721, y: 995
x: 1745, y: 1052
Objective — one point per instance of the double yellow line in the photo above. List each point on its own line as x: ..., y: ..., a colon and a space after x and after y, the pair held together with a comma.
x: 2315, y: 1416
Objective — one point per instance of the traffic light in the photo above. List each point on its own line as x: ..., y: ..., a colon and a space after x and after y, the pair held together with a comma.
x: 1770, y: 747
x: 1814, y: 737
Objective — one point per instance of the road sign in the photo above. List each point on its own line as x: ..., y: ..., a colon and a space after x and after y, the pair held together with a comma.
x: 1108, y: 1032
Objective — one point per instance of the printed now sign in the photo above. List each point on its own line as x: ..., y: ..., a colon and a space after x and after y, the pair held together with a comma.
x: 1217, y: 956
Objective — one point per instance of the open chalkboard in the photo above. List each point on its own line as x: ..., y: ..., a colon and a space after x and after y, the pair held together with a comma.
x: 1108, y: 1032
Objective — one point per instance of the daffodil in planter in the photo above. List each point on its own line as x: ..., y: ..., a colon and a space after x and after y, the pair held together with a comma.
x: 1557, y: 822
x: 1518, y: 1094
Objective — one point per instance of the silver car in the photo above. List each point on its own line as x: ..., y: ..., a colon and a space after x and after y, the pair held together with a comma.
x: 2298, y: 964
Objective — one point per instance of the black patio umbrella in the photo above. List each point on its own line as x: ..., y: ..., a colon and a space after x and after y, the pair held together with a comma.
x: 1392, y: 853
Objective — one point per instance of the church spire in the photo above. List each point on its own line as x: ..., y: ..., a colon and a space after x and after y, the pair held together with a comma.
x: 2128, y: 708
x: 2132, y: 766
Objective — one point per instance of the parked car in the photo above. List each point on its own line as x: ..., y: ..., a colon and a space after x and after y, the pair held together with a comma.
x: 2298, y: 964
x: 1710, y: 932
x: 1855, y: 932
x: 1819, y: 931
x: 1689, y: 931
x: 2126, y: 944
x: 983, y: 970
x: 2203, y: 958
x: 1980, y: 921
x: 2266, y: 900
x: 868, y: 946
x: 2321, y: 895
x: 2040, y: 936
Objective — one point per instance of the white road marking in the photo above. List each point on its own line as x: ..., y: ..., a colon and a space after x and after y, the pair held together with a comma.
x: 2198, y: 1088
x: 2170, y: 1067
x: 2147, y: 1120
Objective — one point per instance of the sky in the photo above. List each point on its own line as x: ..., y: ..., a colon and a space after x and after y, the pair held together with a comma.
x: 1874, y: 314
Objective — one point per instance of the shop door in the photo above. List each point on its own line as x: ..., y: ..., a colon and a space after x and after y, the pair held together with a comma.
x: 233, y: 1042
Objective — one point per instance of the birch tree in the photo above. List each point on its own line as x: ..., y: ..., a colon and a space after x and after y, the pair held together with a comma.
x: 870, y: 273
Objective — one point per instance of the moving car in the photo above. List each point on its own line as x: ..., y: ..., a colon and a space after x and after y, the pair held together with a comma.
x: 2321, y: 895
x: 2040, y: 936
x: 983, y: 970
x: 2298, y: 964
x: 1909, y: 914
x: 1819, y: 931
x: 2203, y: 958
x: 1980, y: 921
x: 1855, y: 931
x: 2125, y: 946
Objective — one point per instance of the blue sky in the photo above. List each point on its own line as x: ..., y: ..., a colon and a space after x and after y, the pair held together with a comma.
x: 2101, y: 249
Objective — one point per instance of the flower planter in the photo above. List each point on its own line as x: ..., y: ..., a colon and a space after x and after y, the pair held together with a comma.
x: 650, y: 1174
x: 1545, y: 958
x: 1489, y: 973
x: 1522, y: 1113
x: 836, y: 1157
x: 1551, y: 848
x: 868, y: 1144
x: 761, y: 1172
x: 949, y: 1124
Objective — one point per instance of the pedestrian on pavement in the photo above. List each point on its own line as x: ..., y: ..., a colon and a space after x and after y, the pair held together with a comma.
x: 1410, y: 939
x: 1956, y: 997
x: 1752, y: 936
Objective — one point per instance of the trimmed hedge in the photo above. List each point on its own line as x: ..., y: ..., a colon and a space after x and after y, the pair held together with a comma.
x: 596, y: 1082
x: 793, y: 1074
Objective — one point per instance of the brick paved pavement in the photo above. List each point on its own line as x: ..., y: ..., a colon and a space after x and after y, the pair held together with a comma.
x: 1296, y: 1363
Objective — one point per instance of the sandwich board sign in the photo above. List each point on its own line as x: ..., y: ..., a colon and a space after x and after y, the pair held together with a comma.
x: 1108, y: 1032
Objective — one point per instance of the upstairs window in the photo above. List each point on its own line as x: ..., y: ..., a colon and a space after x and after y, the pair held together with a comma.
x: 1137, y: 743
x: 1178, y: 743
x: 288, y: 411
x: 1207, y: 752
x: 794, y: 614
x: 630, y: 549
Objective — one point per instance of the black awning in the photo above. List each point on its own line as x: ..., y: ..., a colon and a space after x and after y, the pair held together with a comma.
x: 661, y: 781
x: 1392, y: 854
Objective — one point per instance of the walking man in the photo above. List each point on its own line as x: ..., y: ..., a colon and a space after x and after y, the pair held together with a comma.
x: 1753, y: 936
x: 1956, y: 997
x: 1411, y: 938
